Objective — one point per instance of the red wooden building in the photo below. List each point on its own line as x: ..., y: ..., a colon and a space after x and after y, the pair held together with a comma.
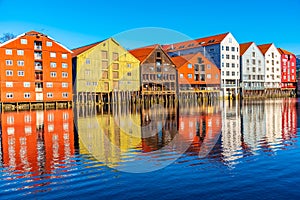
x: 288, y: 70
x: 35, y: 68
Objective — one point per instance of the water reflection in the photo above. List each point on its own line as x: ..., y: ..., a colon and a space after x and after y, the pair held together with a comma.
x: 36, y: 143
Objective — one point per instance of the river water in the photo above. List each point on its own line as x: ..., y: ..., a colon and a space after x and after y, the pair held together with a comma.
x: 224, y: 150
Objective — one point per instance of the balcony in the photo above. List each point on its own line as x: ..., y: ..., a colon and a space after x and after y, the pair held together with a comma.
x: 38, y: 47
x: 38, y: 67
x: 39, y: 89
x: 38, y: 77
x: 37, y: 56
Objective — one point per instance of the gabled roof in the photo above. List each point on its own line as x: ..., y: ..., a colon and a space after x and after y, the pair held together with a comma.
x: 264, y: 47
x: 283, y: 51
x: 179, y: 61
x: 34, y: 33
x: 82, y: 49
x: 144, y: 52
x: 206, y: 41
x: 244, y: 47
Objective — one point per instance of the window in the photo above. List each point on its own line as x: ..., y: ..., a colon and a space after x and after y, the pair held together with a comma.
x: 233, y: 65
x: 128, y: 73
x: 216, y: 76
x: 65, y: 74
x: 52, y: 74
x: 64, y: 94
x: 233, y: 57
x: 23, y: 41
x: 208, y: 76
x: 8, y: 52
x: 104, y: 64
x: 259, y: 62
x: 181, y: 75
x: 129, y: 65
x: 190, y: 76
x: 222, y: 56
x: 9, y: 72
x: 49, y: 95
x: 26, y: 95
x: 208, y: 66
x: 49, y: 44
x: 158, y: 54
x: 20, y: 62
x: 230, y: 40
x: 9, y: 84
x: 115, y: 66
x: 227, y: 56
x: 49, y: 84
x: 211, y: 50
x: 222, y: 47
x: 232, y: 48
x: 253, y: 54
x: 227, y: 64
x: 222, y: 64
x: 190, y: 66
x: 104, y: 54
x: 9, y: 62
x: 87, y: 61
x: 253, y: 61
x: 64, y: 65
x: 26, y: 84
x: 53, y: 64
x: 9, y: 95
x: 227, y: 73
x: 64, y: 56
x: 115, y: 56
x: 227, y: 48
x: 233, y: 73
x: 20, y: 52
x: 272, y: 62
x: 52, y: 55
x: 64, y: 85
x: 292, y: 64
x: 20, y: 73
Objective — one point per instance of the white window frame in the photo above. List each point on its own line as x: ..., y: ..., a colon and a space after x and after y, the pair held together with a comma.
x: 26, y: 84
x: 23, y: 41
x: 48, y: 43
x: 52, y: 55
x: 20, y: 52
x: 53, y: 64
x: 20, y: 62
x: 21, y: 73
x: 64, y: 85
x: 65, y: 95
x: 9, y: 84
x: 27, y: 95
x: 8, y: 51
x: 53, y: 74
x: 64, y: 74
x: 9, y: 73
x: 9, y: 95
x: 49, y: 95
x: 49, y: 85
x: 9, y: 62
x: 64, y: 65
x: 64, y: 56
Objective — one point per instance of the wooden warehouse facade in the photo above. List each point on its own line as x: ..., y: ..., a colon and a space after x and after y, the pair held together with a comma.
x: 35, y: 69
x: 104, y: 72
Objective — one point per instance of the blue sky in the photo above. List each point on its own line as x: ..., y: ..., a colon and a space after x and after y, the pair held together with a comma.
x: 76, y: 23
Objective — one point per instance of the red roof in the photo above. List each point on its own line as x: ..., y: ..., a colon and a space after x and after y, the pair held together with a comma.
x: 181, y: 60
x: 82, y: 49
x: 264, y: 48
x: 206, y: 41
x: 244, y: 47
x: 142, y: 53
x: 283, y: 51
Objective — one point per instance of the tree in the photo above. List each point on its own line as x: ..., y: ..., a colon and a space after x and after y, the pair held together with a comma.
x: 6, y: 36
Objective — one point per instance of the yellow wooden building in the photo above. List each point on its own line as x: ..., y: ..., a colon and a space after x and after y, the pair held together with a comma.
x: 104, y: 70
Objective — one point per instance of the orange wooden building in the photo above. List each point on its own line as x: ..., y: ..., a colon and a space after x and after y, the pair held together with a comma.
x: 35, y: 68
x: 196, y: 72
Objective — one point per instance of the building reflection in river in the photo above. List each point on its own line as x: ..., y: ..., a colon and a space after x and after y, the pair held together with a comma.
x: 37, y: 142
